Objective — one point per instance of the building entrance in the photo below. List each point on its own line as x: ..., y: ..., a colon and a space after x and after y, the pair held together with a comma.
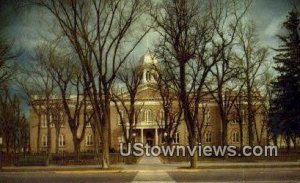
x: 150, y: 138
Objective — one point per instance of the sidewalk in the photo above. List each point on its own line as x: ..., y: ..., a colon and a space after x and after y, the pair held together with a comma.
x: 152, y: 169
x: 55, y: 168
x: 233, y: 165
x: 153, y: 164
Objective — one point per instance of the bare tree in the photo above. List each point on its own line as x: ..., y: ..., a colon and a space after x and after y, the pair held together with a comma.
x: 98, y: 32
x: 6, y: 70
x: 125, y: 101
x: 168, y: 120
x: 252, y: 58
x: 190, y: 31
x: 264, y: 86
x: 13, y: 124
x: 57, y: 120
x: 40, y: 90
x: 203, y: 122
x: 225, y: 91
x: 73, y: 97
x: 239, y: 115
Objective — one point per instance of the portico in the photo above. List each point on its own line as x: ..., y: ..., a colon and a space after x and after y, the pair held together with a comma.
x: 148, y: 135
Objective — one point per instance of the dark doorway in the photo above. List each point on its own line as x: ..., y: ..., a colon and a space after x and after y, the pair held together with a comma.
x: 149, y: 138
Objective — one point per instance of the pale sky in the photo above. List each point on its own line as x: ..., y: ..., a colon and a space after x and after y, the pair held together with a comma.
x: 27, y: 28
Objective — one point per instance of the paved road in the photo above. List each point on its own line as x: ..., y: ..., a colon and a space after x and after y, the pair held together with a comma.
x: 226, y: 175
x: 236, y: 175
x: 151, y: 169
x: 37, y: 177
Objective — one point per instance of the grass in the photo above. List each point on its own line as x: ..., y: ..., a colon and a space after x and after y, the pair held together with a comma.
x: 64, y: 169
x: 240, y: 166
x: 282, y: 157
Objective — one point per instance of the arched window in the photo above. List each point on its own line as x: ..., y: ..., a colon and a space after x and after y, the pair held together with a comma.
x: 62, y: 117
x: 89, y: 117
x: 89, y: 140
x: 208, y: 137
x: 121, y: 139
x: 176, y: 138
x: 244, y: 116
x: 235, y: 137
x: 45, y: 141
x: 148, y: 115
x: 120, y: 116
x: 148, y: 76
x: 61, y: 141
x: 88, y: 125
x: 43, y: 121
x: 162, y: 115
x: 52, y: 119
x: 207, y: 117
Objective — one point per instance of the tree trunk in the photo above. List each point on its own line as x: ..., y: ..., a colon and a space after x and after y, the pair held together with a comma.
x: 56, y: 142
x: 105, y: 145
x: 241, y: 134
x: 39, y: 134
x: 106, y: 133
x: 250, y: 118
x: 224, y: 133
x: 287, y: 141
x: 275, y: 142
x: 194, y: 157
x: 7, y: 145
x: 76, y: 143
x: 49, y: 139
x: 95, y: 142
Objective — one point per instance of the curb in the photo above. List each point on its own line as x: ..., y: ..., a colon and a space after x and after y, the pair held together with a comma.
x: 122, y: 170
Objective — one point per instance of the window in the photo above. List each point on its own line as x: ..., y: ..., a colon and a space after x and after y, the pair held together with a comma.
x: 43, y: 121
x: 176, y: 138
x: 45, y: 141
x: 207, y: 117
x: 148, y: 76
x: 239, y: 115
x: 89, y: 140
x: 121, y: 139
x: 235, y: 117
x: 56, y: 118
x: 162, y: 115
x: 62, y: 118
x: 235, y: 137
x: 208, y: 137
x: 244, y: 117
x: 120, y: 116
x: 52, y: 125
x: 61, y: 141
x: 148, y: 116
x: 234, y: 121
x: 90, y: 118
x: 88, y: 125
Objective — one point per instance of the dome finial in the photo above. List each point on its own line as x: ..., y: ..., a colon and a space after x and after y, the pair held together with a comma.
x: 148, y: 58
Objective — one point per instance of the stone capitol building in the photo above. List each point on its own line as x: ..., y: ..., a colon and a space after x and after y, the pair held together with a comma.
x: 146, y: 128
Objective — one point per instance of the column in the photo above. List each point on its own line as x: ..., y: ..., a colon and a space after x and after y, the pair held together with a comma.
x: 156, y: 137
x: 142, y: 135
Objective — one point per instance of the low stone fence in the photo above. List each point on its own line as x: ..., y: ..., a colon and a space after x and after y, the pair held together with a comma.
x: 63, y: 159
x: 90, y: 159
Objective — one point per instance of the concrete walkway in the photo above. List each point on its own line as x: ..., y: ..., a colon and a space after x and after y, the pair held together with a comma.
x: 147, y: 167
x: 152, y: 163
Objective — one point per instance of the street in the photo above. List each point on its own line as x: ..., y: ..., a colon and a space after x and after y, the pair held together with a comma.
x: 208, y: 175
